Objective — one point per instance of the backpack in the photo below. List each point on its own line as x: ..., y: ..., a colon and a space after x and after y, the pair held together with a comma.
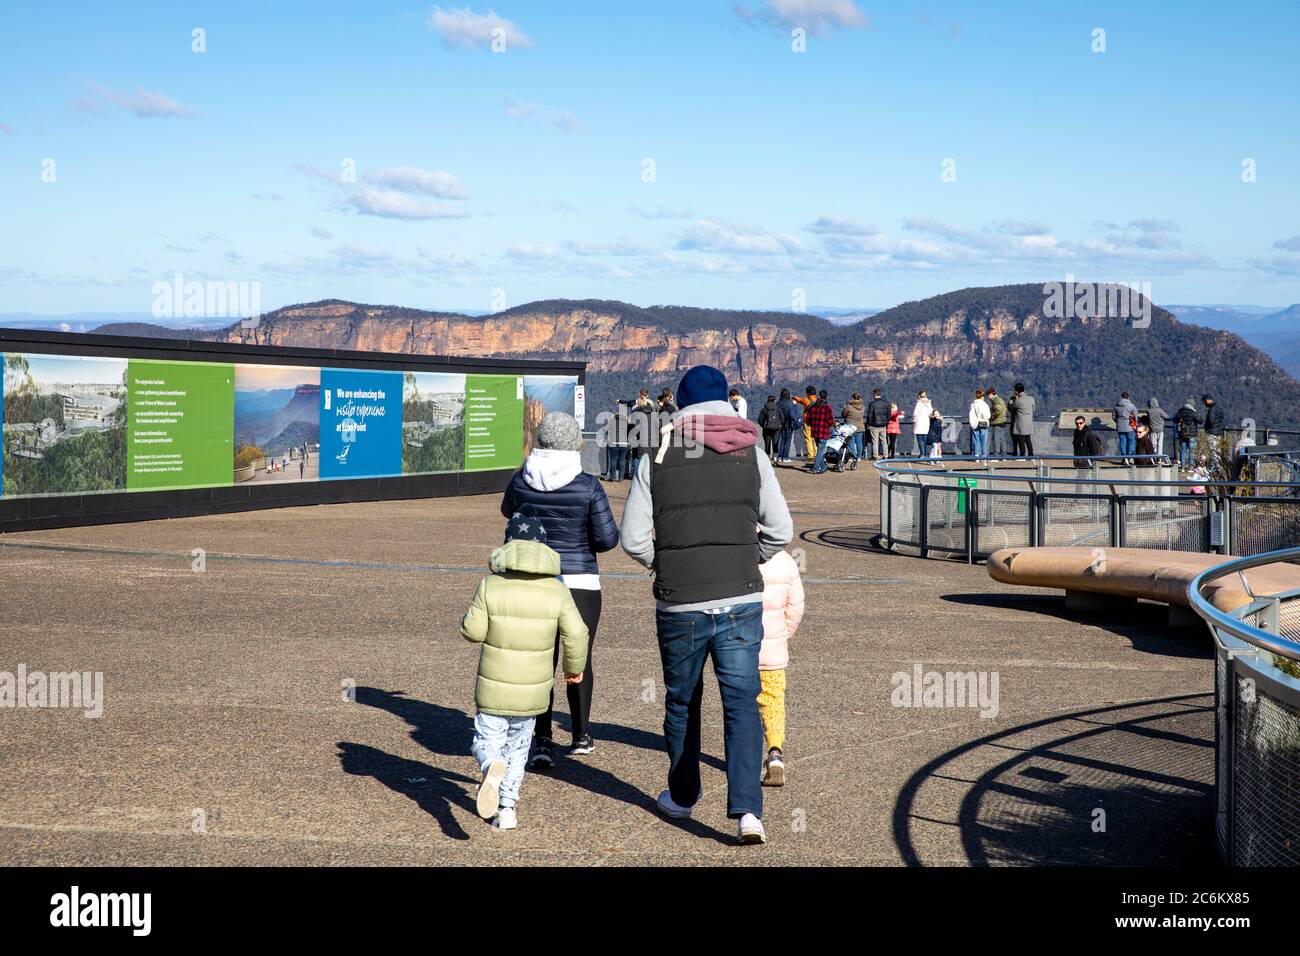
x: 770, y: 420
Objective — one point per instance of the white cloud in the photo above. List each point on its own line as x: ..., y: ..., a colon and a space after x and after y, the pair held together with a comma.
x: 466, y: 29
x: 564, y: 120
x: 661, y: 212
x: 320, y: 232
x: 818, y: 17
x: 8, y: 131
x: 709, y: 235
x: 532, y: 252
x: 392, y: 204
x: 146, y: 104
x: 412, y: 179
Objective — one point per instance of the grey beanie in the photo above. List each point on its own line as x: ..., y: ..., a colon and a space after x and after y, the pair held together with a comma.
x: 559, y: 431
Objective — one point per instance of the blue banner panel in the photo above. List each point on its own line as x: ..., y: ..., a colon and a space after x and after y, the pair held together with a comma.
x: 360, y: 423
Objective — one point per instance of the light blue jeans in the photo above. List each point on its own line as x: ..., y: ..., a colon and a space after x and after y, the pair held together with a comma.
x: 503, y: 738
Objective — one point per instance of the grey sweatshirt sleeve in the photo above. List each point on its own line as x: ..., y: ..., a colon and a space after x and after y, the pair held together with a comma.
x: 775, y: 527
x: 637, y: 530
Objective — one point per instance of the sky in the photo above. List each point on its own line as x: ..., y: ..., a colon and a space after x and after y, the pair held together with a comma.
x: 767, y: 154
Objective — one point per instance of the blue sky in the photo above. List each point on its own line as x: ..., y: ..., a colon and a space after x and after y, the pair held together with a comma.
x: 489, y: 178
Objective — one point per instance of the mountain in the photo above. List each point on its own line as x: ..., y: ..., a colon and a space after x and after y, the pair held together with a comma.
x: 1274, y: 332
x: 947, y: 344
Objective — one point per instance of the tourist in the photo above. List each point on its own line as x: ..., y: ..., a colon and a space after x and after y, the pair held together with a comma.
x: 820, y: 421
x: 579, y: 525
x: 894, y: 428
x: 1144, y: 448
x: 854, y: 413
x: 1087, y: 444
x: 878, y: 424
x: 1022, y: 407
x: 616, y: 442
x: 1155, y: 417
x: 1186, y: 424
x: 1213, y: 416
x: 770, y: 420
x: 516, y: 613
x: 978, y: 417
x: 642, y: 429
x: 1125, y: 415
x: 934, y: 438
x: 791, y: 424
x: 667, y: 407
x: 716, y: 513
x: 998, y: 445
x: 738, y: 403
x: 782, y: 612
x: 808, y: 400
x: 921, y: 423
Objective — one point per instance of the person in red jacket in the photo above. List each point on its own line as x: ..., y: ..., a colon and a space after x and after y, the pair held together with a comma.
x: 819, y: 419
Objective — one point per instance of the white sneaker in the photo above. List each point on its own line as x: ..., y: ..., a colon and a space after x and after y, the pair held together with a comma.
x: 506, y: 819
x: 750, y: 830
x: 489, y: 791
x: 671, y: 808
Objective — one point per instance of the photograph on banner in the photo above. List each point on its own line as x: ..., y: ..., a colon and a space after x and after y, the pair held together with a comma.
x: 360, y: 423
x: 494, y: 422
x: 433, y: 422
x: 65, y: 424
x: 277, y: 423
x: 547, y: 393
x: 179, y: 417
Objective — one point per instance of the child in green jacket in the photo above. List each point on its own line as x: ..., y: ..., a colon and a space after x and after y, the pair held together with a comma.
x: 515, y: 615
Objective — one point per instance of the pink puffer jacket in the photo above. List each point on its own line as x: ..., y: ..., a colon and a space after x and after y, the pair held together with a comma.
x: 782, y: 610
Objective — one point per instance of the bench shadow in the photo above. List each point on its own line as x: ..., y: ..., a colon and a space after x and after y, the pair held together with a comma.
x: 1145, y: 625
x: 860, y: 539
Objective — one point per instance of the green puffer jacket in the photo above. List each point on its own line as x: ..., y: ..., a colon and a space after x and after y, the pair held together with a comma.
x: 514, y: 615
x: 997, y: 410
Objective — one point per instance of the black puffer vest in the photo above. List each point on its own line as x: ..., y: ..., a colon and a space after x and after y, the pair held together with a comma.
x: 706, y: 525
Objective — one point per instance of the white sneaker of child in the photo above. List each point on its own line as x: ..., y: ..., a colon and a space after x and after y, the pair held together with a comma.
x: 506, y: 819
x: 489, y: 791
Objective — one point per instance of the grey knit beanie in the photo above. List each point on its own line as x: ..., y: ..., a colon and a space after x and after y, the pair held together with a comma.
x: 559, y: 432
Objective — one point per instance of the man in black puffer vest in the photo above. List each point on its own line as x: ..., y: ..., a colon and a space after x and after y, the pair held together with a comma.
x: 703, y: 513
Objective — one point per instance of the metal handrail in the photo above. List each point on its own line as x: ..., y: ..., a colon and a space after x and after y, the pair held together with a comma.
x: 888, y: 466
x: 1275, y: 643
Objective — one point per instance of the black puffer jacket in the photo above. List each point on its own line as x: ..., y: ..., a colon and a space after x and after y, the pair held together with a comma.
x: 578, y: 521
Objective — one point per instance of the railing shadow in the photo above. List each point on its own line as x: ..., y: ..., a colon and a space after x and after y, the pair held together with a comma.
x: 1121, y: 785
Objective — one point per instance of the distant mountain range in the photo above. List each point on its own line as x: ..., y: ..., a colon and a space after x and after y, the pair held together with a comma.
x: 947, y: 344
x: 1276, y: 332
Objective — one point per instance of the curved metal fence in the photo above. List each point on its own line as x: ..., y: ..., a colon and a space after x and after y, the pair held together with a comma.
x: 967, y: 507
x: 1257, y: 717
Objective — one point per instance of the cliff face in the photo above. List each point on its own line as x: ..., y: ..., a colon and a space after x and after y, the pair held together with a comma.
x: 950, y: 342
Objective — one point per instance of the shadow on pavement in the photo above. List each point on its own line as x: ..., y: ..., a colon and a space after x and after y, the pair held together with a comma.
x: 1138, y: 771
x: 1145, y: 625
x: 433, y: 790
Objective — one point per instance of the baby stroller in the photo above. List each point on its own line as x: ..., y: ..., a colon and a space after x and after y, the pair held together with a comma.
x: 838, y: 452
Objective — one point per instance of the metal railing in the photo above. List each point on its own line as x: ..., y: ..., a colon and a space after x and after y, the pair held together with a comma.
x: 1257, y: 716
x: 967, y: 507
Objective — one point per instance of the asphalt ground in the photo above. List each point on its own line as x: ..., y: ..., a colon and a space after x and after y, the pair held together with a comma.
x: 289, y: 686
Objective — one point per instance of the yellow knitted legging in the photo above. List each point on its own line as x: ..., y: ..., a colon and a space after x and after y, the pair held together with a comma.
x: 771, y: 707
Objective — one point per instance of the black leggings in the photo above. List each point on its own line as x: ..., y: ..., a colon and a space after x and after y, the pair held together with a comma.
x: 770, y: 441
x: 588, y: 603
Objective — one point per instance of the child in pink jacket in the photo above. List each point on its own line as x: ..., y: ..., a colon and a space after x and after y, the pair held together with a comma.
x: 782, y: 612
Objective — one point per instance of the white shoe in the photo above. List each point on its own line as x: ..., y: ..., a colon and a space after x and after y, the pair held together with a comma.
x: 773, y: 769
x: 506, y: 819
x: 489, y: 791
x: 670, y: 807
x: 750, y: 830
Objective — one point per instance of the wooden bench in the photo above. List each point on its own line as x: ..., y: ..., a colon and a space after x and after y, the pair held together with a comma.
x: 1096, y: 578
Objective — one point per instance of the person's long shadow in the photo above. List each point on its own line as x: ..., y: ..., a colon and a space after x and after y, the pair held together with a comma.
x: 447, y: 731
x: 632, y: 737
x: 433, y: 789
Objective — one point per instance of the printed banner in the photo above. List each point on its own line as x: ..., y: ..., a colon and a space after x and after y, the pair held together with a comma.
x: 360, y: 423
x: 179, y: 418
x: 494, y: 424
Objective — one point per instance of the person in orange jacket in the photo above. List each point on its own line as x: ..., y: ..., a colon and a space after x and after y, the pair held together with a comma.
x: 809, y: 399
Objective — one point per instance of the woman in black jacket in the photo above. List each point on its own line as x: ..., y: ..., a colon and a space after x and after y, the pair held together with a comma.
x: 579, y: 524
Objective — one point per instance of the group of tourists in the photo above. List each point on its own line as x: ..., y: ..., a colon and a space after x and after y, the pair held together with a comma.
x: 1140, y: 433
x: 705, y: 514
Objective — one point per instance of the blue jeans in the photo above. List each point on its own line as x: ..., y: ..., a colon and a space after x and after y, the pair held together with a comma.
x: 732, y: 639
x: 819, y: 463
x: 856, y: 444
x: 1127, y: 444
x: 503, y: 738
x: 979, y: 442
x: 1185, y: 452
x: 922, y: 445
x: 783, y: 444
x: 615, y: 455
